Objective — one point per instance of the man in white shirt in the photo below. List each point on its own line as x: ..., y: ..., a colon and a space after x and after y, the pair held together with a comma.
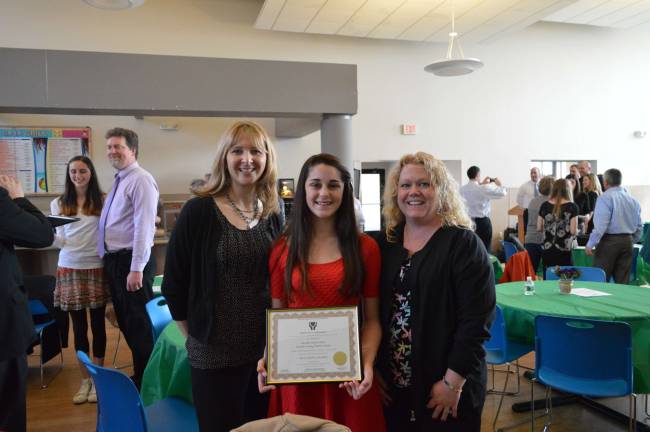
x: 477, y: 197
x: 527, y: 192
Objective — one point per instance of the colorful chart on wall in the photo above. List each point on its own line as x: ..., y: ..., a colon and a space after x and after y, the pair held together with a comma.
x: 38, y: 156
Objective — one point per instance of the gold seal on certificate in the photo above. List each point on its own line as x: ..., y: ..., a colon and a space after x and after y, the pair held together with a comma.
x: 313, y: 345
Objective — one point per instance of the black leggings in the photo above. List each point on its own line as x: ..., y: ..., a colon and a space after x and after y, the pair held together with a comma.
x: 227, y: 398
x: 98, y: 327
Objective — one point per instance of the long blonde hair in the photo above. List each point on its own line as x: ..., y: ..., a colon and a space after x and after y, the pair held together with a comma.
x: 450, y: 206
x: 265, y: 187
x: 594, y: 184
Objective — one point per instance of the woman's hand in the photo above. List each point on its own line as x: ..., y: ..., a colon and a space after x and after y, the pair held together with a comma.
x: 444, y: 401
x: 357, y: 389
x: 386, y: 400
x: 261, y: 376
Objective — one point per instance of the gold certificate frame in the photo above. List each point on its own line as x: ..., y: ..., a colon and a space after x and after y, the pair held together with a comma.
x: 313, y: 345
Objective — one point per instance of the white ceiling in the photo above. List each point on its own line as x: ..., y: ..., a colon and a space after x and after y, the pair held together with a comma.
x: 430, y: 20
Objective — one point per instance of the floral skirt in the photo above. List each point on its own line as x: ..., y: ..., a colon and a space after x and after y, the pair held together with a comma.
x: 78, y: 289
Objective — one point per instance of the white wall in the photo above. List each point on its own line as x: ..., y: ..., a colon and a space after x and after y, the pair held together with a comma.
x: 550, y: 91
x: 173, y: 158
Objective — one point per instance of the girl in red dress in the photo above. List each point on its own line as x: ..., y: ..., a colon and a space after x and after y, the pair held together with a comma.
x: 324, y: 261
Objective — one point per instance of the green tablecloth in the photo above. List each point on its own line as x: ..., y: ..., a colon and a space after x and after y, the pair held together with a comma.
x: 496, y: 265
x: 168, y: 370
x: 627, y: 303
x: 157, y: 284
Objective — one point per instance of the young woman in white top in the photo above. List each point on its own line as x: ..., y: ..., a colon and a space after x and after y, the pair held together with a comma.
x: 80, y: 281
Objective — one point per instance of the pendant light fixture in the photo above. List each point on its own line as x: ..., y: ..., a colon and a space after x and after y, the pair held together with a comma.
x: 114, y: 4
x: 450, y: 66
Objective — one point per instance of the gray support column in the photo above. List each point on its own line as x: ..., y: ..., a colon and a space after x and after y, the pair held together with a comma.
x: 336, y: 137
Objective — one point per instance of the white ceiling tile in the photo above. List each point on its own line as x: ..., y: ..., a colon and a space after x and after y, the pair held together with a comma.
x: 623, y: 14
x: 573, y: 10
x: 430, y: 20
x: 333, y: 15
x: 601, y: 10
x: 408, y: 14
x: 297, y: 14
x: 268, y: 14
x: 369, y: 16
x: 425, y: 26
x: 640, y: 19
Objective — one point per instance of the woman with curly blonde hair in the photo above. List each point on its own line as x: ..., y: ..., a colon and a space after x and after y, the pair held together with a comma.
x: 437, y: 302
x: 215, y: 280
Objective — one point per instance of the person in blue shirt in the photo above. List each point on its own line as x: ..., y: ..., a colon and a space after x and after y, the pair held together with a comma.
x: 617, y: 226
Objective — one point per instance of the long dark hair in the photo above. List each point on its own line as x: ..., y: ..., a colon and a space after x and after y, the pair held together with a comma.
x: 68, y: 201
x: 299, y: 232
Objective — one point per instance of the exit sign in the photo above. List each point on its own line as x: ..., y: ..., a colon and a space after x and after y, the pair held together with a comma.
x: 409, y: 129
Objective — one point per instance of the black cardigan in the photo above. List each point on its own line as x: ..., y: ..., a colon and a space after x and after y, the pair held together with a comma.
x: 21, y: 224
x: 453, y: 307
x: 191, y: 276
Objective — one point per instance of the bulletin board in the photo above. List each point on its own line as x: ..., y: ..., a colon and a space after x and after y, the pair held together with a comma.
x: 38, y: 156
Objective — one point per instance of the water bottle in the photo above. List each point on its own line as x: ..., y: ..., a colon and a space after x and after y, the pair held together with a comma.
x: 529, y: 286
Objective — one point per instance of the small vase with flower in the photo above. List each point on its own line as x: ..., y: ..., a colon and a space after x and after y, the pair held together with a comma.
x: 566, y: 277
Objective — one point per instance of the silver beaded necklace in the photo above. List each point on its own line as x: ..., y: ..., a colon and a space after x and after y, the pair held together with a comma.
x: 248, y: 220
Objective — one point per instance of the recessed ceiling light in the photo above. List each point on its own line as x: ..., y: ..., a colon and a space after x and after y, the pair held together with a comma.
x: 114, y: 4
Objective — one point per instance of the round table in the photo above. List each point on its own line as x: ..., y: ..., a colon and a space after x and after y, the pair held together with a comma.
x: 168, y: 370
x: 157, y: 284
x: 496, y: 266
x: 630, y: 304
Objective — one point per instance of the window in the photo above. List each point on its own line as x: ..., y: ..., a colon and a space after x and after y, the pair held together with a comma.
x: 371, y: 185
x: 557, y: 168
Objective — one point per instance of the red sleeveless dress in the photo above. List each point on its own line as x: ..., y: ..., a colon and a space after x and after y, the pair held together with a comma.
x: 327, y: 401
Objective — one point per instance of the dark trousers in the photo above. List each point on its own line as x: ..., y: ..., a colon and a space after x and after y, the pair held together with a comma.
x: 614, y: 255
x: 98, y: 327
x: 525, y: 215
x: 535, y: 253
x: 13, y: 384
x: 554, y: 257
x: 401, y: 418
x: 130, y: 308
x: 484, y: 231
x: 227, y: 398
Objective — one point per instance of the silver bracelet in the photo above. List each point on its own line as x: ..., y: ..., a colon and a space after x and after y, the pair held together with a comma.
x: 452, y: 387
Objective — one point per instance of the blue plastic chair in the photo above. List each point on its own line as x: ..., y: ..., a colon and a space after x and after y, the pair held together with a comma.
x: 159, y: 315
x: 509, y: 249
x: 589, y: 274
x: 500, y: 351
x: 120, y: 407
x: 46, y: 352
x: 584, y: 357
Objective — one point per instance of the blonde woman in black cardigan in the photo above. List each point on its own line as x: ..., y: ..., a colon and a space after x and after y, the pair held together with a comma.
x: 216, y: 282
x: 437, y: 303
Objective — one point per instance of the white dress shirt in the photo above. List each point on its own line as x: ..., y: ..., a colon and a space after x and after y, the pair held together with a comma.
x: 477, y: 197
x: 527, y: 192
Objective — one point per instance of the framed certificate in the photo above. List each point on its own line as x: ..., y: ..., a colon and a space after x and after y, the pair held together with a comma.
x: 313, y: 345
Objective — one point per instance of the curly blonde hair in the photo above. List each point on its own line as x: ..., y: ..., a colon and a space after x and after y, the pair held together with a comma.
x: 450, y: 206
x: 265, y: 187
